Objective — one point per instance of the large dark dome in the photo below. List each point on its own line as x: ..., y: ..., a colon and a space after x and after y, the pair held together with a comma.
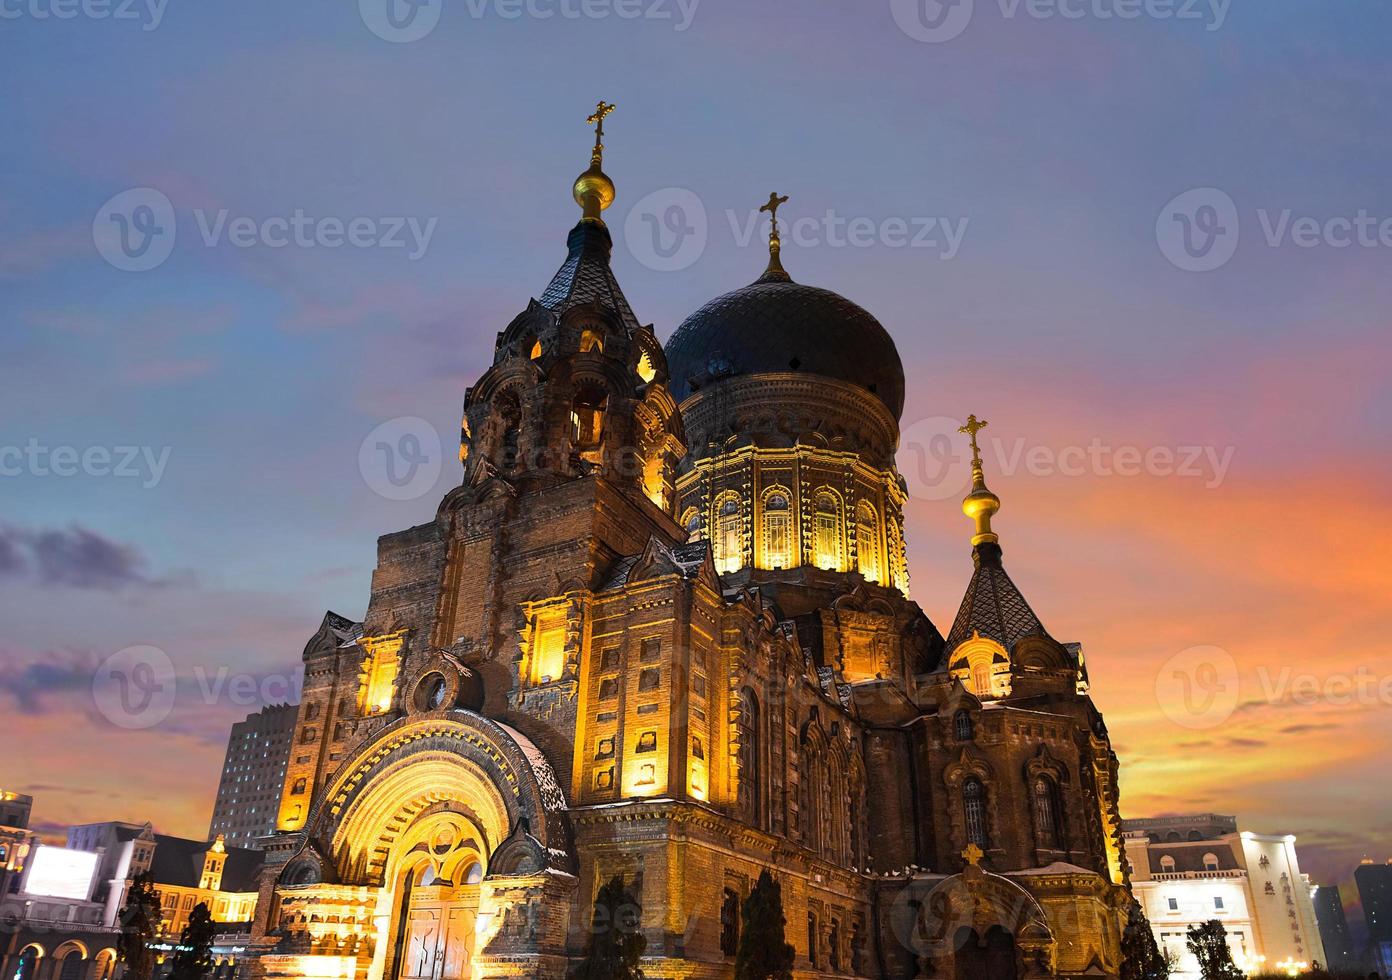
x: 777, y: 325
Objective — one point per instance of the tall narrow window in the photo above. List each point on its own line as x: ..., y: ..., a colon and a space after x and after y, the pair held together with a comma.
x: 750, y: 758
x: 729, y: 922
x: 827, y: 532
x: 974, y: 808
x: 587, y: 419
x: 1046, y: 813
x: 691, y: 520
x: 868, y: 551
x: 962, y: 725
x: 778, y: 531
x: 729, y: 536
x: 509, y: 415
x: 812, y: 938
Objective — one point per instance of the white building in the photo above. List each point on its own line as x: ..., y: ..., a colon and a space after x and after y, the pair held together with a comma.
x: 1188, y: 870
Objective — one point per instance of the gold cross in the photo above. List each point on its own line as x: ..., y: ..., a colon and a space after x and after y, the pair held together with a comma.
x: 973, y: 854
x: 596, y: 118
x: 771, y: 207
x: 972, y: 428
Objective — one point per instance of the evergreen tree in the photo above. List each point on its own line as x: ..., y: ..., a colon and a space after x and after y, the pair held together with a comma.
x: 138, y: 920
x: 1209, y: 944
x: 616, y: 944
x: 763, y: 952
x: 1141, y: 958
x: 194, y: 957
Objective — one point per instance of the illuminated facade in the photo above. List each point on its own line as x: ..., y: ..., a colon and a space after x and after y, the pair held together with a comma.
x: 1188, y: 870
x: 662, y: 630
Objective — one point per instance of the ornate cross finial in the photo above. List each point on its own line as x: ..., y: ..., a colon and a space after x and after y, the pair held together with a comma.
x: 596, y: 119
x: 775, y: 266
x: 981, y: 503
x: 973, y: 854
x: 774, y: 202
x: 971, y: 429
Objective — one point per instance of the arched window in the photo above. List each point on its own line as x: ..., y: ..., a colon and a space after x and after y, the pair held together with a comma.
x: 868, y: 556
x: 509, y: 415
x: 750, y: 759
x: 691, y: 520
x: 974, y: 810
x: 729, y: 535
x: 826, y: 531
x: 1046, y: 813
x: 1167, y: 864
x: 962, y: 726
x: 591, y: 341
x: 778, y: 530
x: 587, y: 417
x: 1210, y: 862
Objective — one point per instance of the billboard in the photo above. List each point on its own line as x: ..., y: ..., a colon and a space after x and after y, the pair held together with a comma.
x: 60, y: 872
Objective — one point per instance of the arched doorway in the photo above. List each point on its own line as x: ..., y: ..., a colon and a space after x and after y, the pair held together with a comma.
x: 28, y: 966
x: 72, y: 966
x: 990, y: 959
x: 440, y: 860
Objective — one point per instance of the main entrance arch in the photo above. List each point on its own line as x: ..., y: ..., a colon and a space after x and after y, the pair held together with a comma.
x: 449, y: 820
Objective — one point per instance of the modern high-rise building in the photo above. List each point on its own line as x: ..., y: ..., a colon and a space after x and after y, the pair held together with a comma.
x: 253, y: 774
x: 1188, y: 870
x: 1375, y: 893
x: 1334, y: 931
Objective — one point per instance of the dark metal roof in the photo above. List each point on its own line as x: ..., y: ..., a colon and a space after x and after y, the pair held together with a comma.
x: 777, y: 325
x: 993, y: 605
x: 585, y: 276
x: 179, y: 861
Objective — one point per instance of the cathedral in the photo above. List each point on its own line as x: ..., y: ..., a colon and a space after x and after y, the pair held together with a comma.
x: 662, y: 630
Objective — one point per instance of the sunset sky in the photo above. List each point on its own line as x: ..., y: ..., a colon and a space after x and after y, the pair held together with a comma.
x: 248, y: 376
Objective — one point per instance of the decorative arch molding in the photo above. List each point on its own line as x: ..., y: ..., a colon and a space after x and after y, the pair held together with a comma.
x: 477, y: 766
x: 978, y: 901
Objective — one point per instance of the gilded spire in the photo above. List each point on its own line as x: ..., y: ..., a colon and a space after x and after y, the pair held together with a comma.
x: 981, y: 503
x: 775, y: 265
x: 593, y: 190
